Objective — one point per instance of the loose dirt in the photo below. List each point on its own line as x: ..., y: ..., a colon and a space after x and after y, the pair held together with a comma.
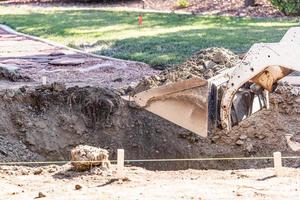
x: 57, y: 182
x: 203, y: 64
x: 46, y: 122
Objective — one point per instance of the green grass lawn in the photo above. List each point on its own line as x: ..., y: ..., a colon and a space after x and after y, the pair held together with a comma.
x: 163, y: 40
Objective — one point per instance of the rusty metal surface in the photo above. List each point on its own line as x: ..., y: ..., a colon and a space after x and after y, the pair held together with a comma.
x: 269, y: 76
x: 184, y: 103
x: 259, y: 58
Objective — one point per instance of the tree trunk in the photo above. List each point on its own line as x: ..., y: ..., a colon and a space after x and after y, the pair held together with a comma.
x: 249, y: 3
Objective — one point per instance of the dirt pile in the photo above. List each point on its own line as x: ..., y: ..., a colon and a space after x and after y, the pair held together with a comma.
x: 203, y: 64
x: 268, y: 127
x: 84, y: 157
x: 10, y: 73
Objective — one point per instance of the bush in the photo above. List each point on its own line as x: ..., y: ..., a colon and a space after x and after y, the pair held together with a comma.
x: 182, y: 3
x: 288, y: 7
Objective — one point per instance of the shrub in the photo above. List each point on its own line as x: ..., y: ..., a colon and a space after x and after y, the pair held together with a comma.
x: 288, y: 7
x: 182, y: 4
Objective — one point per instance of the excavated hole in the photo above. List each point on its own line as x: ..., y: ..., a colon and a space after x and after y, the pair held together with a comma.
x: 45, y: 122
x: 49, y: 123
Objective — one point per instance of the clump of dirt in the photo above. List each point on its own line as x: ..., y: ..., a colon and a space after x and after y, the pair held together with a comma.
x: 203, y: 64
x: 84, y: 157
x: 12, y: 75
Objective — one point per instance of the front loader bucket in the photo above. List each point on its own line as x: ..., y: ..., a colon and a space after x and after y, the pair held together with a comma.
x: 184, y: 103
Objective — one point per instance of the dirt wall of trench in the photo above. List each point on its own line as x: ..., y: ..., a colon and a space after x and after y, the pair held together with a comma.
x: 46, y: 122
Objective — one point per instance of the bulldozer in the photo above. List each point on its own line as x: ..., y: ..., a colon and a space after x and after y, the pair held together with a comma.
x: 230, y: 97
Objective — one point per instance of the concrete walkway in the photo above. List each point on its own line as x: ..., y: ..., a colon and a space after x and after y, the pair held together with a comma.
x: 24, y: 60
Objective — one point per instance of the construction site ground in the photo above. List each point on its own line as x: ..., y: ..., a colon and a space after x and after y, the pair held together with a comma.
x: 55, y: 182
x: 82, y: 104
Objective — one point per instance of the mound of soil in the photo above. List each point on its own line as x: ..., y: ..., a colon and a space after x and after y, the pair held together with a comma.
x: 203, y: 64
x: 12, y: 75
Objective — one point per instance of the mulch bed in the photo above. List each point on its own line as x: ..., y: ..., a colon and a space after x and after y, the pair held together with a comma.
x: 262, y: 8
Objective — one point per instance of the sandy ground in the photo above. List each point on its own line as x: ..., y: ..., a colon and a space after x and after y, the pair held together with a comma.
x: 56, y: 183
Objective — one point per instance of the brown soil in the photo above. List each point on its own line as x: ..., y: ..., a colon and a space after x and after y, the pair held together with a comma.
x: 50, y: 120
x: 203, y: 64
x: 45, y: 122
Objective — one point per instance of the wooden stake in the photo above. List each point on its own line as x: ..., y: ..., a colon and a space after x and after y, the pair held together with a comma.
x: 120, y: 161
x: 267, y: 99
x: 278, y: 163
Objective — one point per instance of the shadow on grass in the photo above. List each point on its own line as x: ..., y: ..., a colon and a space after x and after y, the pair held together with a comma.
x: 165, y: 50
x: 164, y: 39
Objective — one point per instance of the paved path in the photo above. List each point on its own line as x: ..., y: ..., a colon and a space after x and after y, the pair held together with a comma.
x: 32, y: 59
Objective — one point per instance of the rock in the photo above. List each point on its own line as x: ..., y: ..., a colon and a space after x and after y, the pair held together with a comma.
x: 215, y: 138
x: 243, y: 137
x: 51, y: 170
x: 38, y: 171
x: 22, y: 89
x: 58, y: 87
x: 209, y: 64
x: 245, y: 124
x: 249, y: 147
x: 10, y: 68
x: 10, y: 93
x: 24, y: 172
x: 40, y: 195
x: 297, y: 100
x: 118, y: 79
x: 295, y: 91
x: 295, y: 146
x: 260, y: 136
x: 78, y: 187
x: 220, y: 58
x: 86, y: 157
x: 156, y: 77
x: 239, y: 142
x: 67, y: 61
x: 57, y: 53
x: 208, y: 74
x: 10, y: 73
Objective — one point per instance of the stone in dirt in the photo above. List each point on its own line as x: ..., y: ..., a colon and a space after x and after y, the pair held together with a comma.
x: 38, y: 171
x: 10, y: 73
x: 78, y: 187
x: 57, y: 53
x: 67, y: 61
x: 40, y: 195
x: 84, y: 157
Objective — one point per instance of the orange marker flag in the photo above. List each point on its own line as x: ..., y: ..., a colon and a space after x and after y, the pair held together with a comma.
x: 140, y: 20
